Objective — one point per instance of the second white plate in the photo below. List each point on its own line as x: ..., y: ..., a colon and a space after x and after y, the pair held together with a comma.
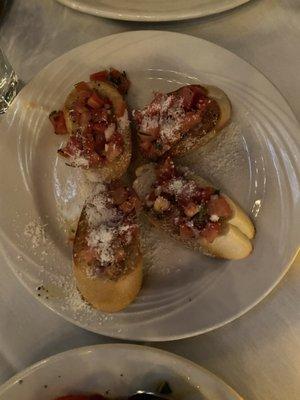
x: 255, y: 160
x: 152, y: 10
x: 116, y: 371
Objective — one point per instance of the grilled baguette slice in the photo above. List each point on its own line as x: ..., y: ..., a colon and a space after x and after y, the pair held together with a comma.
x: 233, y: 243
x: 215, y: 117
x: 106, y: 255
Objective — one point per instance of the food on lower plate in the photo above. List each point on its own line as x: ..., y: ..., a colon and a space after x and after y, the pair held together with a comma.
x: 191, y: 210
x: 106, y: 254
x: 95, y: 117
x: 180, y: 121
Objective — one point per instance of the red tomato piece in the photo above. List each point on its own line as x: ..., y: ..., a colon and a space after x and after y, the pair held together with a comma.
x: 58, y: 121
x: 82, y: 86
x: 99, y: 143
x: 211, y: 231
x: 191, y: 95
x: 219, y: 206
x: 99, y: 127
x: 99, y: 76
x: 166, y: 170
x: 119, y: 195
x: 95, y: 101
x: 203, y: 194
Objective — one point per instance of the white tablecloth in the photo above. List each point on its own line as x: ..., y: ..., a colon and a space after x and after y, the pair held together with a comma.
x: 259, y: 354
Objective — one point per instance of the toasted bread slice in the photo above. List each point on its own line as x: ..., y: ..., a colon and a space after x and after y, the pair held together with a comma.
x: 107, y: 261
x: 186, y: 136
x: 116, y: 168
x: 232, y: 243
x: 104, y: 292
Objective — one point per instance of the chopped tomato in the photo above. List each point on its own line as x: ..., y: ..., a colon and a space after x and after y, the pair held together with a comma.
x: 119, y: 195
x: 95, y: 101
x: 186, y: 231
x: 99, y: 143
x: 99, y: 76
x: 99, y: 127
x: 203, y: 194
x: 191, y: 209
x: 58, y: 121
x: 219, y: 206
x: 166, y: 170
x: 191, y: 95
x: 211, y: 231
x: 117, y: 138
x: 82, y: 86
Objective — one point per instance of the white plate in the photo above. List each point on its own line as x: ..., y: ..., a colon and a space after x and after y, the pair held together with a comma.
x: 152, y: 10
x: 117, y: 370
x: 256, y: 160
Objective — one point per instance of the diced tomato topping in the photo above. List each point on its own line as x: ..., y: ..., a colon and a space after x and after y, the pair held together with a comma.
x: 191, y: 209
x: 191, y: 95
x: 165, y: 170
x: 99, y: 143
x: 58, y: 121
x: 99, y: 76
x: 119, y: 195
x: 202, y: 195
x: 186, y: 231
x: 211, y: 231
x: 219, y: 206
x: 99, y: 127
x: 95, y: 101
x: 117, y: 138
x: 82, y: 86
x: 152, y: 196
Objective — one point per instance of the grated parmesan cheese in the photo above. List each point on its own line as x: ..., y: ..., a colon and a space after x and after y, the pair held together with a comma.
x: 36, y: 232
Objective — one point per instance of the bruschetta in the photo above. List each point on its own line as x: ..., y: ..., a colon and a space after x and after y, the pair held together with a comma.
x: 106, y: 256
x: 191, y: 210
x: 180, y: 121
x: 95, y: 117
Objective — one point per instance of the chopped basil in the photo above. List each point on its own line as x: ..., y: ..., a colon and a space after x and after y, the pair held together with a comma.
x: 217, y: 191
x: 164, y: 388
x: 158, y: 145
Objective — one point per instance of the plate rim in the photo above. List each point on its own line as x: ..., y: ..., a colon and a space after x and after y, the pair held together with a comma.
x: 107, y: 346
x: 196, y: 332
x: 148, y: 17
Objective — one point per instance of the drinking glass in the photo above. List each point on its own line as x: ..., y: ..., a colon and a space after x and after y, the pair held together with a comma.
x: 8, y: 83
